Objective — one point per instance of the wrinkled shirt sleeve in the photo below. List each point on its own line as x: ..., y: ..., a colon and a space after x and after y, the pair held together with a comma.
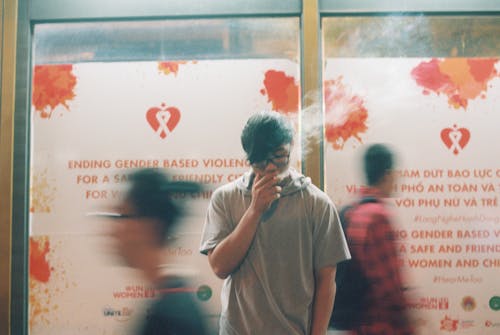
x: 217, y: 223
x: 330, y: 246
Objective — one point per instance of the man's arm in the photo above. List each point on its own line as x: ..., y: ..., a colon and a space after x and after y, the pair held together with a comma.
x: 230, y: 252
x: 324, y: 295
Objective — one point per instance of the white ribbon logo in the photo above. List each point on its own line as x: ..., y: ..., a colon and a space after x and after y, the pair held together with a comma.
x: 163, y: 117
x: 455, y: 137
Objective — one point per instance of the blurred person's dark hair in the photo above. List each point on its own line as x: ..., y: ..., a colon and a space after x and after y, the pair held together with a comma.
x: 378, y: 159
x: 263, y: 133
x: 152, y: 194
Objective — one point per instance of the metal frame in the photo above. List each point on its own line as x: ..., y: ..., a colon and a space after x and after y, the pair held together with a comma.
x: 54, y: 10
x: 311, y: 93
x: 8, y: 11
x: 15, y: 76
x: 407, y: 6
x: 20, y: 179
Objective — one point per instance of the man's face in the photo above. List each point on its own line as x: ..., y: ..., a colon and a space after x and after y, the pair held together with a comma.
x: 389, y: 183
x: 276, y: 162
x: 130, y: 234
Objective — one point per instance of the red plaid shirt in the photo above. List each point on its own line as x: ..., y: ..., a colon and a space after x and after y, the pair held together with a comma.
x: 371, y: 241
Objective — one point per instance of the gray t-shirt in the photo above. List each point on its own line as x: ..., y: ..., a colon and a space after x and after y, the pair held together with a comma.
x: 272, y: 291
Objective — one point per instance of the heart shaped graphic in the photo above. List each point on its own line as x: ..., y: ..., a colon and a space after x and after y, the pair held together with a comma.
x: 455, y: 138
x: 163, y: 119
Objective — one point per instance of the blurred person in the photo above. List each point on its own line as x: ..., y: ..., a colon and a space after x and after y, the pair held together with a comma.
x: 146, y: 218
x: 275, y: 238
x: 370, y: 236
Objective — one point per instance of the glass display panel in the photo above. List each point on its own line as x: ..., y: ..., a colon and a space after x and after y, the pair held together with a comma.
x: 108, y: 97
x: 411, y: 36
x: 166, y: 40
x: 429, y: 87
x: 46, y: 10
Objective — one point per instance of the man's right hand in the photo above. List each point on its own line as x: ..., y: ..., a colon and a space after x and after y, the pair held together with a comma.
x: 265, y: 190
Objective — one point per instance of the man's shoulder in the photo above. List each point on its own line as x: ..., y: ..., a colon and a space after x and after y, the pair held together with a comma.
x: 371, y: 206
x: 226, y: 189
x: 316, y: 200
x: 230, y: 186
x: 313, y: 192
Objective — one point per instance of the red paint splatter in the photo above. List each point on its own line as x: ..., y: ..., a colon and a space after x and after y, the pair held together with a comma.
x: 170, y: 67
x: 427, y: 75
x: 47, y: 281
x: 282, y: 91
x: 53, y: 85
x: 460, y: 79
x: 39, y: 265
x: 456, y: 101
x: 345, y: 114
x: 482, y: 69
x: 42, y: 193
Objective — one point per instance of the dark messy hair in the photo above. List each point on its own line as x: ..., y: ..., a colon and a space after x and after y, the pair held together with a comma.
x: 378, y: 159
x: 263, y: 133
x: 151, y: 194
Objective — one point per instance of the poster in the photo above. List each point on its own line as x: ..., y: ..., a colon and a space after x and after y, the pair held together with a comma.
x: 441, y: 116
x: 93, y: 122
